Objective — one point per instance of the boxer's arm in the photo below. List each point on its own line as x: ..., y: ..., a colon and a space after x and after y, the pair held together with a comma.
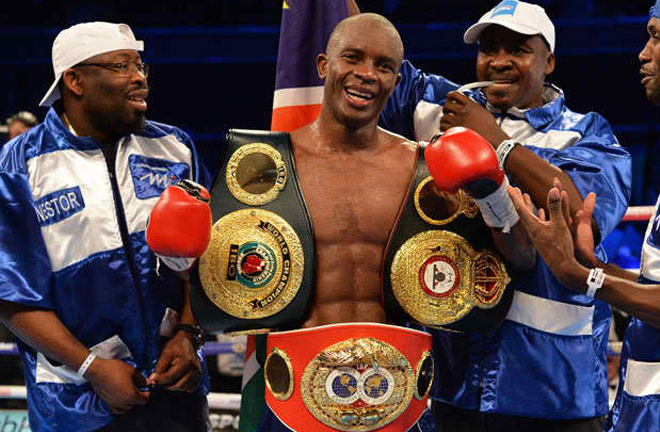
x: 115, y: 381
x: 463, y: 159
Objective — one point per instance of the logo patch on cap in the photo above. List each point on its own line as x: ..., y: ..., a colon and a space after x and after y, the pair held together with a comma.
x: 151, y: 176
x: 507, y: 7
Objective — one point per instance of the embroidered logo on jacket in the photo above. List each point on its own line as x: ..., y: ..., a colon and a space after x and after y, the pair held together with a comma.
x: 507, y: 7
x: 152, y: 176
x: 59, y: 205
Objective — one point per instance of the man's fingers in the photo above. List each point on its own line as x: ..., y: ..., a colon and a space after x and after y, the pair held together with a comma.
x: 457, y: 97
x: 566, y: 206
x: 555, y: 207
x: 524, y: 211
x: 142, y: 397
x: 171, y: 375
x: 589, y: 204
x: 557, y: 183
x: 187, y: 383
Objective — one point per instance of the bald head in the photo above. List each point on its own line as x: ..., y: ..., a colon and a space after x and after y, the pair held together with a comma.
x: 365, y: 24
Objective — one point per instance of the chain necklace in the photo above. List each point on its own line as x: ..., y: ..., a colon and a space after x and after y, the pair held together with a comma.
x: 68, y: 124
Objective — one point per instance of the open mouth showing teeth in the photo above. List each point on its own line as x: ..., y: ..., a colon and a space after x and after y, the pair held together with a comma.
x: 360, y: 95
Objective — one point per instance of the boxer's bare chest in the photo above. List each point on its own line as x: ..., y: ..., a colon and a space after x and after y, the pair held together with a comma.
x: 353, y: 200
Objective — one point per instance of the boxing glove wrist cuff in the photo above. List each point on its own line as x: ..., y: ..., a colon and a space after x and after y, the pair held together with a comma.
x: 503, y: 151
x: 497, y: 208
x: 177, y: 264
x: 595, y: 281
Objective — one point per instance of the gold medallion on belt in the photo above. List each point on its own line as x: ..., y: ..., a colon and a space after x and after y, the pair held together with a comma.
x: 360, y: 384
x: 253, y: 267
x: 256, y: 173
x: 438, y: 277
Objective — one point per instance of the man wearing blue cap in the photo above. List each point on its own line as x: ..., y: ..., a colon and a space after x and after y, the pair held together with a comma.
x: 545, y: 367
x: 637, y: 402
x: 105, y: 336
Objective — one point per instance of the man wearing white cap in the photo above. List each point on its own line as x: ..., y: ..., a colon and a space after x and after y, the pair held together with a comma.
x: 638, y: 398
x: 545, y: 368
x: 106, y: 338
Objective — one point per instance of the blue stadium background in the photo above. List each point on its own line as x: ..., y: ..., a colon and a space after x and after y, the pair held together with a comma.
x: 213, y: 65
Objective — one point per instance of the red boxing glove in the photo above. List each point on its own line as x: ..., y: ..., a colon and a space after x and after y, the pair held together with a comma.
x: 179, y: 227
x: 461, y: 158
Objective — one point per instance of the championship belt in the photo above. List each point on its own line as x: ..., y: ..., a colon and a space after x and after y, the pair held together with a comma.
x: 258, y: 269
x: 349, y: 377
x: 441, y: 267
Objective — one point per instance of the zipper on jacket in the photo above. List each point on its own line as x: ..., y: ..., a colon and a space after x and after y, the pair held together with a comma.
x: 125, y: 239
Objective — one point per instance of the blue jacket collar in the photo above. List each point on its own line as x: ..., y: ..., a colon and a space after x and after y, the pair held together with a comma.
x: 64, y: 135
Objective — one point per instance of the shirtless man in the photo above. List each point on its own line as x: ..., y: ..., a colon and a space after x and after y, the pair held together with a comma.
x: 354, y: 177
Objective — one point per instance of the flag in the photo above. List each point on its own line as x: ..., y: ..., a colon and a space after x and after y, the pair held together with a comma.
x: 306, y: 27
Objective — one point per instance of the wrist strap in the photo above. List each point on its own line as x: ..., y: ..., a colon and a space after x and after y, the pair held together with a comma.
x: 195, y: 330
x: 503, y: 151
x: 595, y: 281
x: 86, y: 364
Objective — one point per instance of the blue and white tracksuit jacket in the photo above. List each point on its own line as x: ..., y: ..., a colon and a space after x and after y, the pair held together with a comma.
x: 72, y: 241
x: 547, y: 360
x: 637, y: 404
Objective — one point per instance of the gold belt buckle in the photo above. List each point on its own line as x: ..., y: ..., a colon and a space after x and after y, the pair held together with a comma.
x: 361, y: 384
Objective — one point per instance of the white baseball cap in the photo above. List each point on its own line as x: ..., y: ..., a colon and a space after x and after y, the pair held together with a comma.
x: 521, y: 17
x: 82, y: 41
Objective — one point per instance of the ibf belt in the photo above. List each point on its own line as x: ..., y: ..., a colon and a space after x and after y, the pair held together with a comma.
x: 349, y: 377
x: 258, y: 270
x: 441, y: 267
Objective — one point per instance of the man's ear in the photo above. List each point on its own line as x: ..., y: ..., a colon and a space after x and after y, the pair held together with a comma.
x: 73, y: 81
x: 551, y: 64
x: 398, y: 79
x: 321, y: 65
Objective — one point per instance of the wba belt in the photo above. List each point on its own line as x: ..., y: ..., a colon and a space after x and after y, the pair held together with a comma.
x: 441, y: 267
x: 258, y: 270
x: 348, y: 377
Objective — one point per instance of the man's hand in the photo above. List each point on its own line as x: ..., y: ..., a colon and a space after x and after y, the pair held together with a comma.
x: 583, y: 233
x: 551, y: 236
x: 179, y: 367
x: 460, y: 110
x: 117, y: 384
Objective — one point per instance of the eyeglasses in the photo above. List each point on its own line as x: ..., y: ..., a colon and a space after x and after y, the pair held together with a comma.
x: 122, y: 68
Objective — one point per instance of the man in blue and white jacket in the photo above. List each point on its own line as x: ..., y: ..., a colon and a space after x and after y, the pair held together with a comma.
x: 546, y: 364
x: 97, y: 320
x: 637, y: 404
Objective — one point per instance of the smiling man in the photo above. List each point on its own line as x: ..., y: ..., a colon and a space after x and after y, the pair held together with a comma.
x: 355, y: 184
x: 104, y: 337
x: 529, y: 374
